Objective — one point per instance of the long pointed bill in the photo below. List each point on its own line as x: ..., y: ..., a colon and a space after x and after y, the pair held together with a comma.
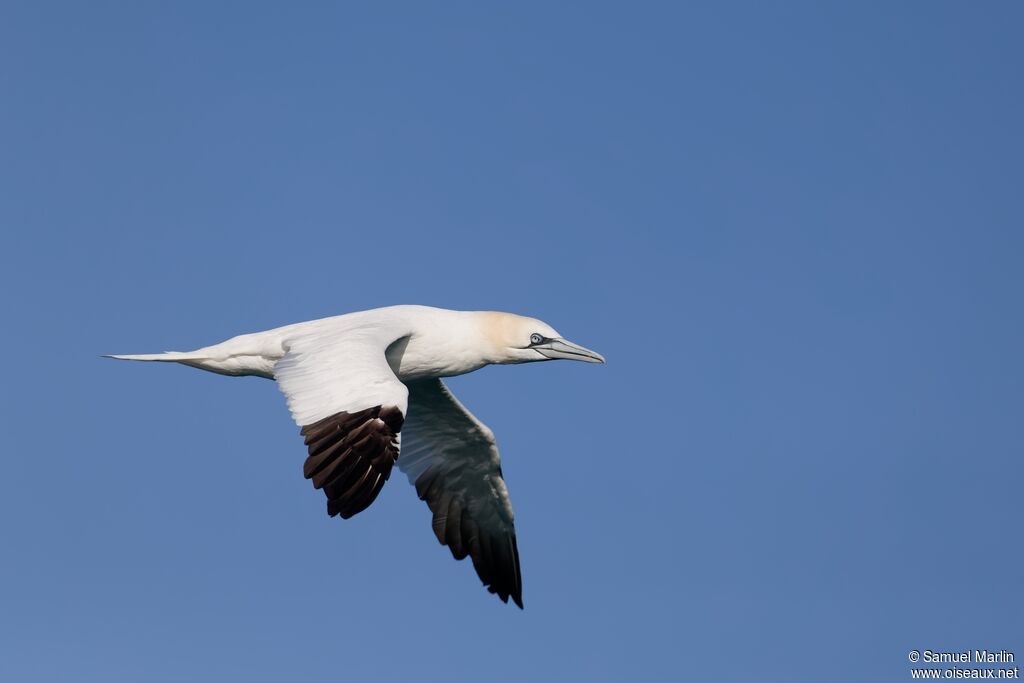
x: 562, y: 348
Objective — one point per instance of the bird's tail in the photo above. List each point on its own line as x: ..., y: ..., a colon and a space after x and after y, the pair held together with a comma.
x: 168, y: 357
x: 237, y: 356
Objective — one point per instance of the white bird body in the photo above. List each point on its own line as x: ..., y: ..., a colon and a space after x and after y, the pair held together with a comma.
x: 357, y: 383
x: 442, y: 343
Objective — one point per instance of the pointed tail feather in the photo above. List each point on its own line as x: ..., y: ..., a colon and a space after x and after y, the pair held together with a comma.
x: 227, y: 358
x: 170, y: 356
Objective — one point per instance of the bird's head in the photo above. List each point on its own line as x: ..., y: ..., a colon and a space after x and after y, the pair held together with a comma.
x: 517, y: 339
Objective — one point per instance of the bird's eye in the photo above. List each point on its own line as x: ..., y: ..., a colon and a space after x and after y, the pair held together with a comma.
x: 536, y: 338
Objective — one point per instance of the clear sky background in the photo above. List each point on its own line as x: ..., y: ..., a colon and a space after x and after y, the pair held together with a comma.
x: 795, y: 231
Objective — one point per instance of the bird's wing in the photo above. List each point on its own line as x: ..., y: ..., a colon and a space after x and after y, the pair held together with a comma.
x: 350, y: 405
x: 452, y: 459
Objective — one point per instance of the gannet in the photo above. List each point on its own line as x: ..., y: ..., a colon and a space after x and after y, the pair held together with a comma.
x: 366, y: 390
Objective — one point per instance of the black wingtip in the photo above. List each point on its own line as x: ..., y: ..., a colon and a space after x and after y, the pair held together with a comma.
x: 351, y: 456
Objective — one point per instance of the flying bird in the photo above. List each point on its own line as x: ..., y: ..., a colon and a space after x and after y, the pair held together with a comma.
x: 366, y: 390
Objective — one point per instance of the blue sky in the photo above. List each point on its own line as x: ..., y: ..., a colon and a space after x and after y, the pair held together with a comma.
x: 795, y: 231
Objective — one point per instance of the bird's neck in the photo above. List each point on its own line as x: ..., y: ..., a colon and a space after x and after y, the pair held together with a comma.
x: 445, y: 344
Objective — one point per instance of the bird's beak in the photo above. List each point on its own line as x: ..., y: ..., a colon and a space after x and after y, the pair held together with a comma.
x: 563, y: 348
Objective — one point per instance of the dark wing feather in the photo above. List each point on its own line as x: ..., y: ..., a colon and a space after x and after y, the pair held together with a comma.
x: 452, y: 459
x: 351, y: 456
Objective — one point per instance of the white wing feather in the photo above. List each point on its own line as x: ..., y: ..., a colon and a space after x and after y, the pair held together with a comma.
x: 325, y: 371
